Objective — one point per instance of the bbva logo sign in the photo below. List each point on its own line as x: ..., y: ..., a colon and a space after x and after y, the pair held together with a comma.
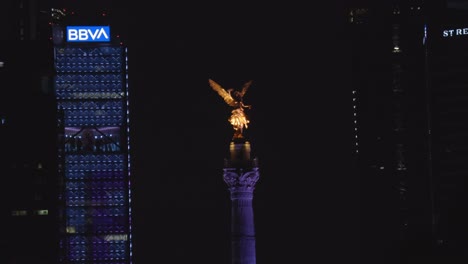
x: 88, y: 34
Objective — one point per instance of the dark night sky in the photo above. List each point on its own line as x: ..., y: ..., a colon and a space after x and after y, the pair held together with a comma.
x: 305, y: 202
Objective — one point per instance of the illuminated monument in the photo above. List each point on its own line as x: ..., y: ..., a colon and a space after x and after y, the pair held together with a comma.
x: 241, y: 173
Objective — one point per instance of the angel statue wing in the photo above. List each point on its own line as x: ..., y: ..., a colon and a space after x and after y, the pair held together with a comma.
x: 227, y: 97
x: 244, y: 88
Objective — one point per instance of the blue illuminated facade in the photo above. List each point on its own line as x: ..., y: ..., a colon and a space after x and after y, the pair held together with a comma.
x: 91, y: 88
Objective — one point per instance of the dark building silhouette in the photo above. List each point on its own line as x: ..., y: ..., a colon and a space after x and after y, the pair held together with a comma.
x: 446, y: 68
x: 27, y: 135
x: 410, y: 133
x: 29, y: 201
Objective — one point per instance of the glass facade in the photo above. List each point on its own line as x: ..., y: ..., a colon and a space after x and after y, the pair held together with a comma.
x: 91, y: 89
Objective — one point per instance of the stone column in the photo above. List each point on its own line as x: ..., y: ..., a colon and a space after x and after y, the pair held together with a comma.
x: 241, y: 174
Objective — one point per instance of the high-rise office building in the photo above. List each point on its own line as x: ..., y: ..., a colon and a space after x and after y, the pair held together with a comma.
x: 91, y: 89
x: 447, y: 33
x: 410, y: 109
x: 391, y: 129
x: 374, y: 145
x: 27, y: 135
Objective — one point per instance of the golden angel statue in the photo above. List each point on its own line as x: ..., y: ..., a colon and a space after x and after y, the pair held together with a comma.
x: 233, y: 98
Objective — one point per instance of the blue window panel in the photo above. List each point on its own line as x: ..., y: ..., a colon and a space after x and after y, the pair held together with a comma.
x: 95, y: 174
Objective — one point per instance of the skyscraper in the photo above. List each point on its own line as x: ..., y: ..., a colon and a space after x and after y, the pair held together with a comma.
x: 391, y: 129
x: 446, y: 68
x: 27, y: 135
x: 410, y: 130
x: 91, y: 89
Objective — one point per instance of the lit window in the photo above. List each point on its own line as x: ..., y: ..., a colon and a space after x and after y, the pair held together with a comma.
x: 71, y: 229
x: 396, y: 49
x: 19, y: 213
x: 41, y: 212
x: 117, y: 237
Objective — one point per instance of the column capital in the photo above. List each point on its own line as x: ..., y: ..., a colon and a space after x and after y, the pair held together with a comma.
x: 240, y: 180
